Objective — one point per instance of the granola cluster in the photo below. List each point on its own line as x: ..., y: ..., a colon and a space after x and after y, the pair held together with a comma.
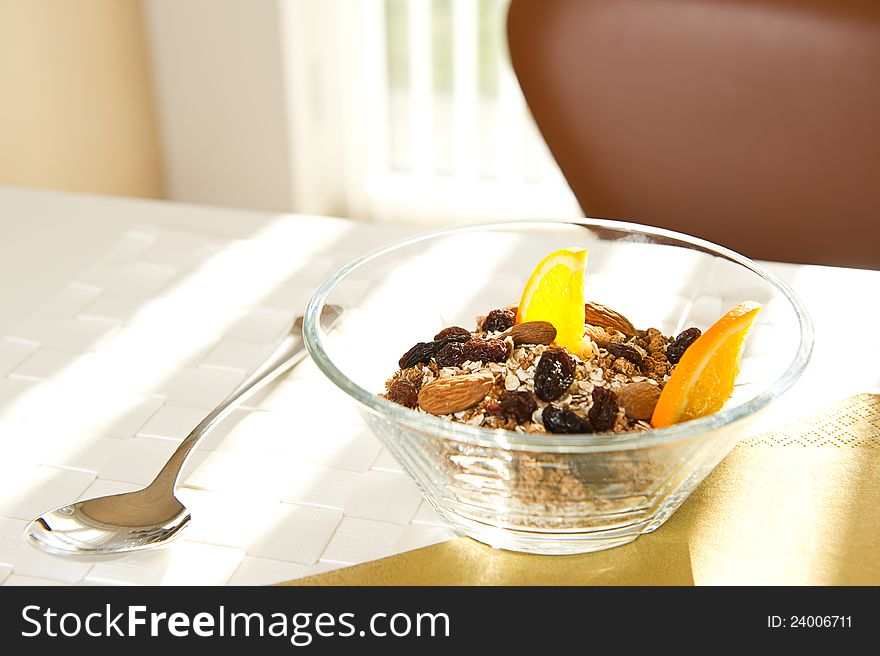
x: 514, y: 377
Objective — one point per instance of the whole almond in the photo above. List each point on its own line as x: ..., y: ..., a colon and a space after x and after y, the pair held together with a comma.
x: 638, y: 400
x: 531, y: 332
x: 599, y: 315
x: 447, y: 395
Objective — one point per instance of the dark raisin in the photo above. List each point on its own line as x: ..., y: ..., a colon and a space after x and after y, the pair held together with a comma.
x: 453, y: 334
x: 404, y: 393
x: 421, y: 352
x: 515, y: 405
x: 563, y: 420
x: 603, y: 413
x: 624, y: 351
x: 485, y: 350
x: 450, y: 355
x: 425, y: 351
x: 450, y: 339
x: 499, y: 320
x: 553, y: 375
x: 675, y: 350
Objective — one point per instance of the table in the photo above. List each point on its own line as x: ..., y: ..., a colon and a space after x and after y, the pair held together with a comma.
x: 93, y: 286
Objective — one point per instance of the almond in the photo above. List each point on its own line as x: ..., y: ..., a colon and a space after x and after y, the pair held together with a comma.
x: 599, y: 315
x: 597, y: 334
x: 447, y: 395
x: 531, y: 332
x: 638, y: 400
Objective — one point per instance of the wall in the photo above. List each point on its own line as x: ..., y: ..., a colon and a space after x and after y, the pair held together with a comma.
x: 76, y: 105
x: 218, y: 67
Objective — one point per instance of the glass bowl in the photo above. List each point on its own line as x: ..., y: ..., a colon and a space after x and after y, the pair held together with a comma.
x: 552, y: 494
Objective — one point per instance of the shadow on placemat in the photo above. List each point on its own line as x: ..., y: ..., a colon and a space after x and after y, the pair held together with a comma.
x: 799, y: 505
x: 463, y: 561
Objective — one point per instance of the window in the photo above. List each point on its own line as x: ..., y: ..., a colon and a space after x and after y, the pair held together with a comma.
x: 409, y: 111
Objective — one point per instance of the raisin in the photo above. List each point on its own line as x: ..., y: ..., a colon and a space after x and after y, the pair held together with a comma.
x: 425, y: 351
x: 453, y: 334
x: 404, y: 393
x: 450, y: 355
x: 421, y: 352
x: 603, y: 413
x: 553, y: 375
x: 515, y: 405
x: 675, y: 350
x: 624, y: 351
x: 563, y: 420
x: 499, y: 320
x: 485, y: 350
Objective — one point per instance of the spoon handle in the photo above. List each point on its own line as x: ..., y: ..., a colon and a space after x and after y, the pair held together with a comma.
x: 288, y: 353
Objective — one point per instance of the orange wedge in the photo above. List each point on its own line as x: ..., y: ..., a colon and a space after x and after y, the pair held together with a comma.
x: 702, y: 381
x: 555, y: 293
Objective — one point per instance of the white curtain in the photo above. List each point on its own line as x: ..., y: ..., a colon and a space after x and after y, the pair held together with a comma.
x: 401, y: 111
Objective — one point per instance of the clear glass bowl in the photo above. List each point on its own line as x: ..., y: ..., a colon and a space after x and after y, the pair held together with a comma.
x: 552, y: 494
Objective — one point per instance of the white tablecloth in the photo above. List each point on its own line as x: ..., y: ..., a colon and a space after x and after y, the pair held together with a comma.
x: 122, y: 322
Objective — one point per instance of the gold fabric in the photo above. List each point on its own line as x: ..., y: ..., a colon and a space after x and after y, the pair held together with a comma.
x: 798, y: 505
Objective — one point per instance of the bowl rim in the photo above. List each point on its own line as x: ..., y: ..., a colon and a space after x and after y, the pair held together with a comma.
x: 557, y: 443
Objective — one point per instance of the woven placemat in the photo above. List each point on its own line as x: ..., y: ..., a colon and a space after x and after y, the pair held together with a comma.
x: 799, y: 505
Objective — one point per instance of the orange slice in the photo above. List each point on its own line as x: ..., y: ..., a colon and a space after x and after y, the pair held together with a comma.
x: 555, y: 293
x: 703, y: 379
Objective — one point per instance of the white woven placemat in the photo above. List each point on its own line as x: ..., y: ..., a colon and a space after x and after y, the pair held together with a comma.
x: 98, y: 388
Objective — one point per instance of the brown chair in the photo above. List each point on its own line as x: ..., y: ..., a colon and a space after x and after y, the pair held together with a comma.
x: 752, y: 123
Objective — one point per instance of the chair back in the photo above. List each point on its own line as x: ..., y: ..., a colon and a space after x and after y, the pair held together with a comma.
x: 752, y: 123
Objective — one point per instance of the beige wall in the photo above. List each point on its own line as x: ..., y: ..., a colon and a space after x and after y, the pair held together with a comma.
x: 76, y: 106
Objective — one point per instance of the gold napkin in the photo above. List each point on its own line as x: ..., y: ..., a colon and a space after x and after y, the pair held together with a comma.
x: 799, y: 505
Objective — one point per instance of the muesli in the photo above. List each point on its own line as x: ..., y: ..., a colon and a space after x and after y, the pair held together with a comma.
x: 512, y: 376
x: 556, y: 365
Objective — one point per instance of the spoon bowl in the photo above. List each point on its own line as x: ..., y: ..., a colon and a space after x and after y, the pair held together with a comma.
x: 117, y: 523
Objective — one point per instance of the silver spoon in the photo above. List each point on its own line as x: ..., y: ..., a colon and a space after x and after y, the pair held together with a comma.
x: 152, y: 516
